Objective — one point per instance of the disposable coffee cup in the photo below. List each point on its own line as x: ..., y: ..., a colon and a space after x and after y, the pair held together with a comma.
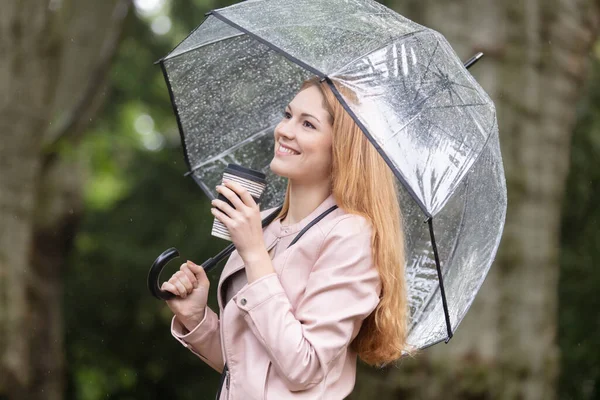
x: 254, y: 182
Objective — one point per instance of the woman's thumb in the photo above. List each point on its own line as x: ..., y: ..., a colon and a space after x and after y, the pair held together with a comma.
x: 197, y: 270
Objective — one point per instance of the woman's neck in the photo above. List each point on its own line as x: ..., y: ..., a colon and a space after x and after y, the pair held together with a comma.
x: 304, y: 200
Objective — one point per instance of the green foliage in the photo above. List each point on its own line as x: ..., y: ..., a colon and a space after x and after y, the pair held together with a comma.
x: 579, y: 304
x: 138, y: 203
x: 118, y: 339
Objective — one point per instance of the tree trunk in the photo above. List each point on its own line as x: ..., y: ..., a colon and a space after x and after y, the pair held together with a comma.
x: 536, y: 57
x: 54, y: 57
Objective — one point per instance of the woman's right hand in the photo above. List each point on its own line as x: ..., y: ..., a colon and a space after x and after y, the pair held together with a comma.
x: 190, y: 284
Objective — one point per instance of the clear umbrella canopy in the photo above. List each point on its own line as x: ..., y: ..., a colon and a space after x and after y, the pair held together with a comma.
x: 231, y: 79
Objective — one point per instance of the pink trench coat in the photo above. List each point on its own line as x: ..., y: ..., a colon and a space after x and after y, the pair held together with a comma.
x: 287, y: 334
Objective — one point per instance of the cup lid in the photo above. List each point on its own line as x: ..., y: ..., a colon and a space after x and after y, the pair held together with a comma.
x: 247, y: 173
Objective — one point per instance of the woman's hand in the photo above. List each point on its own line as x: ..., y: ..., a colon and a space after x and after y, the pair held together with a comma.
x: 243, y: 222
x: 190, y: 284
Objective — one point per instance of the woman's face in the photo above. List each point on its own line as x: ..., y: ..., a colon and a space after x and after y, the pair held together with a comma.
x: 306, y: 129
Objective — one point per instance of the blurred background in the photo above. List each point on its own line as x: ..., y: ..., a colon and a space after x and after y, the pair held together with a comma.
x: 92, y: 190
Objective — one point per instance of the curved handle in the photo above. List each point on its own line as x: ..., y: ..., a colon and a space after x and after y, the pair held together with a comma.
x: 154, y: 274
x: 208, y: 265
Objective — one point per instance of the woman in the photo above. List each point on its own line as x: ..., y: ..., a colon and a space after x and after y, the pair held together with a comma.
x: 300, y: 316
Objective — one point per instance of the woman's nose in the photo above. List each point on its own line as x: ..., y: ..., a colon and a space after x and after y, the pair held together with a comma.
x: 286, y: 131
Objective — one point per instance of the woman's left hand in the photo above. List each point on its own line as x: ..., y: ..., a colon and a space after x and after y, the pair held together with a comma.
x: 243, y: 222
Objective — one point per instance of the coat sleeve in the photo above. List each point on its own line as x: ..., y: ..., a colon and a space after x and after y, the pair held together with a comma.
x: 204, y: 340
x: 342, y: 290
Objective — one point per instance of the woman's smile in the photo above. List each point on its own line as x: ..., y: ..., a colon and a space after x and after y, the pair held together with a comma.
x: 285, y: 151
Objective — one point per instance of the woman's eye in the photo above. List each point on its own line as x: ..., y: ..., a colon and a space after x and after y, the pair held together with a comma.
x: 287, y: 114
x: 309, y: 125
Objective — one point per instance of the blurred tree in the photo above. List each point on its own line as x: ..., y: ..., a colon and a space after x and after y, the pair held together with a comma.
x: 579, y: 306
x: 55, y: 56
x: 137, y: 203
x: 536, y: 54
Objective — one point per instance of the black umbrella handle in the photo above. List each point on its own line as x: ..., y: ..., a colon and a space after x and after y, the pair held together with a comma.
x: 154, y: 274
x: 169, y: 254
x: 165, y: 257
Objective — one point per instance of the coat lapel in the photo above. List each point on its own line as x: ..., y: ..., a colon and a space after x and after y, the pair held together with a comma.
x: 235, y: 263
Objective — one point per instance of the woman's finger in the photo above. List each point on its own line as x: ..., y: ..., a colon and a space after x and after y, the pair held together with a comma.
x: 174, y: 277
x: 242, y: 192
x: 231, y: 196
x: 180, y: 288
x: 190, y: 275
x: 223, y: 207
x: 221, y: 217
x: 199, y: 272
x: 187, y: 284
x: 169, y: 288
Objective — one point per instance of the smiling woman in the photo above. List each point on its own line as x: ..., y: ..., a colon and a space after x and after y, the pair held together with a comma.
x: 303, y: 146
x: 293, y: 320
x: 337, y: 158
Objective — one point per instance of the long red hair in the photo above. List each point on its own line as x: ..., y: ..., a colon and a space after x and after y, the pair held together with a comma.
x: 363, y: 184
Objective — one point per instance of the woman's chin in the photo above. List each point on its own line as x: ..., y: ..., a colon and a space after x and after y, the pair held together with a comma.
x: 277, y: 170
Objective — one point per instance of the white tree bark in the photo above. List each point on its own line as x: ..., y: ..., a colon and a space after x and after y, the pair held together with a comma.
x: 536, y: 54
x: 53, y: 55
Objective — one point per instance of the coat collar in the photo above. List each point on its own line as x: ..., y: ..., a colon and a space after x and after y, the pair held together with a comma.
x: 271, y: 233
x: 281, y: 231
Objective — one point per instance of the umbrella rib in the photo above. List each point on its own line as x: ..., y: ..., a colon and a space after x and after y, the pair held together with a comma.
x: 202, y: 45
x: 365, y: 55
x: 382, y: 153
x: 440, y: 279
x: 454, y: 83
x: 476, y: 120
x: 270, y: 45
x: 231, y: 149
x: 437, y: 44
x: 415, y: 116
x: 319, y: 26
x: 188, y: 36
x: 458, y: 105
x: 176, y: 112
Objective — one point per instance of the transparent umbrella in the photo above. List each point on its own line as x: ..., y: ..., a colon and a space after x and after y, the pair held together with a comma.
x: 436, y: 128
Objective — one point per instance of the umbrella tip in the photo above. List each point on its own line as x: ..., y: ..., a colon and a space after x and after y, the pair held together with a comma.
x: 473, y: 60
x: 449, y: 337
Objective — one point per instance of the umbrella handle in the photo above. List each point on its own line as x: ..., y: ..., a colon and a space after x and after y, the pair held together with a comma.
x: 154, y: 274
x: 164, y: 258
x: 169, y: 254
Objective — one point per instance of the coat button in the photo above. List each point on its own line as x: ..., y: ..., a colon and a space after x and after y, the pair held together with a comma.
x: 243, y: 302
